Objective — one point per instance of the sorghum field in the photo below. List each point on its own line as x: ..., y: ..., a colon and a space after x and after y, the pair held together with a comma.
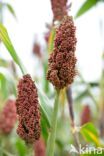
x: 51, y: 78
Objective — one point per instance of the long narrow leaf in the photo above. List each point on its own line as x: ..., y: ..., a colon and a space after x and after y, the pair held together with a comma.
x: 3, y: 86
x: 7, y: 85
x: 81, y: 96
x: 90, y: 134
x: 8, y: 44
x: 45, y: 106
x: 46, y: 111
x: 10, y: 8
x: 86, y: 6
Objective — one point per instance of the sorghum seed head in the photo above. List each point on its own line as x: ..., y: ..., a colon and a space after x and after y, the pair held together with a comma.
x: 37, y: 49
x: 62, y: 60
x: 59, y: 8
x: 39, y: 148
x: 46, y: 36
x: 86, y: 115
x: 28, y: 110
x: 8, y: 117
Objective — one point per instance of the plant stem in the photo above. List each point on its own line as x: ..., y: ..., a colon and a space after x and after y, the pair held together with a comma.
x: 71, y: 112
x: 101, y: 100
x: 46, y: 83
x: 52, y: 135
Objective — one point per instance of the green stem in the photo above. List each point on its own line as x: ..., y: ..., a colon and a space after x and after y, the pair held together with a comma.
x: 101, y: 101
x: 52, y: 135
x: 46, y: 83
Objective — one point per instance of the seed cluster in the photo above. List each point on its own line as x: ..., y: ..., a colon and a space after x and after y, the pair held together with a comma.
x: 28, y: 110
x: 62, y: 60
x: 37, y: 50
x: 59, y: 8
x: 39, y: 148
x: 8, y: 117
x: 86, y: 115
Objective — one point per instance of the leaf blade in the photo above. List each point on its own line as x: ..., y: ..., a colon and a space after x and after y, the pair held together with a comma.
x: 9, y: 46
x: 90, y: 134
x: 85, y: 7
x: 10, y: 8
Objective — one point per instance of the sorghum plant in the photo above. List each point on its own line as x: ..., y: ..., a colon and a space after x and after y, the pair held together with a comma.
x: 61, y: 70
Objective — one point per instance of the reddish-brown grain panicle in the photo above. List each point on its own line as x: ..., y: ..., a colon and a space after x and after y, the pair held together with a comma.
x: 8, y: 117
x: 62, y: 60
x: 37, y: 50
x: 46, y: 36
x: 59, y: 8
x: 86, y: 115
x: 40, y: 148
x: 28, y: 110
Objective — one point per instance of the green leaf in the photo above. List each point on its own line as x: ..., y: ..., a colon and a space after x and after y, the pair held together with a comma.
x: 90, y: 134
x: 3, y: 86
x: 45, y: 82
x: 12, y: 86
x: 7, y: 85
x: 3, y: 63
x: 21, y: 147
x: 10, y: 8
x: 94, y: 84
x: 86, y: 6
x: 8, y: 44
x: 45, y: 107
x: 44, y: 128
